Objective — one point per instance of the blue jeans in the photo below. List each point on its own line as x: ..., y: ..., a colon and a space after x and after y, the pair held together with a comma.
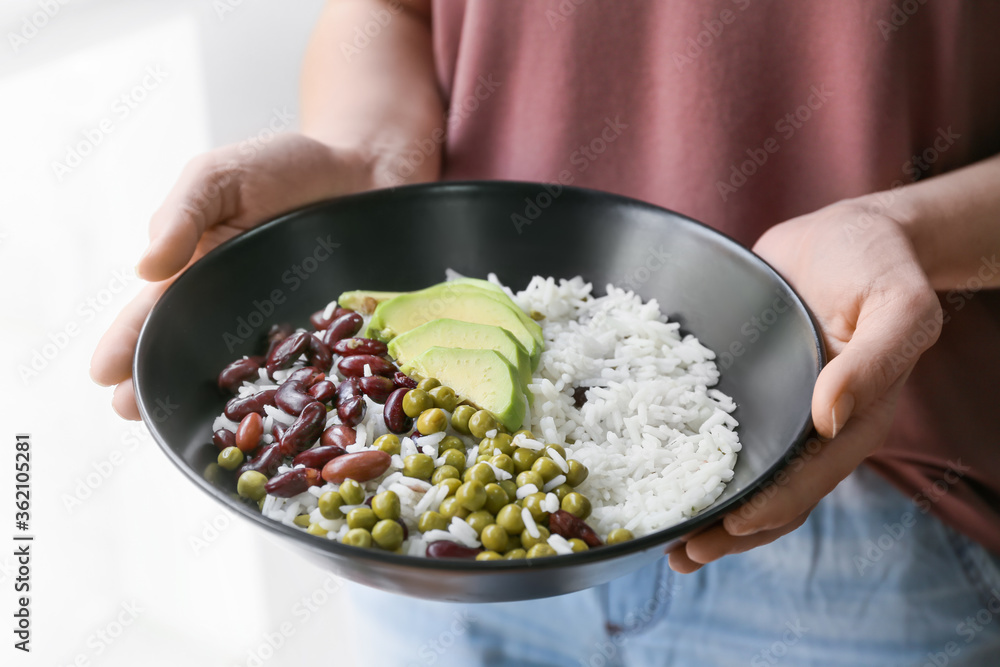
x: 868, y: 580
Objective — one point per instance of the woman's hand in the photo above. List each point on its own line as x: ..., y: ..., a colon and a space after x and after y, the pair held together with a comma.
x: 859, y: 274
x: 219, y: 195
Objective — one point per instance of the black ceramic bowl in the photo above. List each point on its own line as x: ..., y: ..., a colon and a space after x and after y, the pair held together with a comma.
x: 403, y: 239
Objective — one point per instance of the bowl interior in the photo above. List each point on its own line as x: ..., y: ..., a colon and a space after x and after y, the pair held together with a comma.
x: 767, y: 346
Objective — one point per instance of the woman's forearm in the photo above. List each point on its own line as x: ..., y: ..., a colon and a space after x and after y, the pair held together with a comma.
x: 953, y: 221
x: 368, y: 87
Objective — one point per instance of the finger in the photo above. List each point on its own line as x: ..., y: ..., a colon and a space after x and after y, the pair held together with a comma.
x: 810, y: 476
x: 206, y: 193
x: 112, y: 359
x: 123, y: 401
x: 716, y: 543
x: 680, y: 562
x: 890, y: 335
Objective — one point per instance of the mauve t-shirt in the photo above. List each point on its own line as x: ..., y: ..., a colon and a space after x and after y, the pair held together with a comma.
x: 745, y: 113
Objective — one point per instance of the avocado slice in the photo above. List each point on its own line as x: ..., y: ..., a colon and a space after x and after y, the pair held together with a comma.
x: 498, y: 292
x: 464, y: 335
x: 482, y: 377
x: 408, y: 311
x: 364, y: 301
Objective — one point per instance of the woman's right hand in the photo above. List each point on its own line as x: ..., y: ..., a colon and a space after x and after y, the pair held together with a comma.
x: 220, y: 194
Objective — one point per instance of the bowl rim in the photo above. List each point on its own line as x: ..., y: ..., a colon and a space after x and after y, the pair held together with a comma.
x: 327, y: 547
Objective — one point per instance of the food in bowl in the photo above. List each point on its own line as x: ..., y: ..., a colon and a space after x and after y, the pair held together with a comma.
x: 467, y: 421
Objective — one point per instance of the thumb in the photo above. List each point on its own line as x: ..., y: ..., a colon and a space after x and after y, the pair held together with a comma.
x: 206, y: 193
x: 891, y: 333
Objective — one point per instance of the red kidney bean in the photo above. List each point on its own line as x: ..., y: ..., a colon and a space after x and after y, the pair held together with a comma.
x: 377, y: 387
x: 287, y: 351
x: 249, y: 432
x: 359, y: 466
x: 233, y: 375
x: 307, y: 376
x: 563, y: 523
x: 340, y: 435
x: 446, y: 549
x: 401, y: 379
x: 224, y: 438
x: 277, y: 431
x: 344, y: 326
x: 406, y: 531
x: 395, y: 419
x: 354, y: 366
x: 317, y: 457
x: 321, y: 323
x: 319, y: 353
x: 238, y: 408
x: 323, y: 391
x: 266, y: 462
x: 305, y: 431
x: 293, y: 482
x: 351, y: 346
x: 350, y: 402
x: 276, y: 334
x: 292, y: 397
x: 368, y: 501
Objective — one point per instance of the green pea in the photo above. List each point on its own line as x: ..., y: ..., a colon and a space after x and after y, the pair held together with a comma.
x: 562, y: 491
x: 357, y: 537
x: 451, y: 442
x: 513, y: 541
x: 515, y: 554
x: 452, y: 485
x: 388, y: 534
x: 533, y: 504
x: 488, y: 555
x: 230, y: 458
x: 450, y: 507
x: 416, y: 401
x: 455, y: 459
x: 251, y: 485
x: 388, y: 443
x: 480, y: 423
x: 509, y: 517
x: 526, y: 433
x: 460, y: 418
x: 444, y: 472
x: 316, y: 529
x: 577, y: 473
x: 541, y: 551
x: 510, y: 487
x: 529, y: 477
x: 427, y: 384
x: 361, y: 517
x: 329, y: 505
x: 619, y: 535
x: 432, y: 421
x: 302, y: 521
x: 479, y: 520
x: 524, y: 458
x: 496, y: 498
x: 547, y: 468
x: 558, y: 448
x: 351, y: 492
x: 444, y: 398
x: 527, y: 541
x: 483, y: 458
x: 419, y: 466
x: 578, y: 545
x: 576, y: 504
x: 494, y: 537
x: 386, y: 506
x: 480, y: 472
x: 472, y: 495
x: 212, y: 473
x: 503, y: 462
x: 431, y: 521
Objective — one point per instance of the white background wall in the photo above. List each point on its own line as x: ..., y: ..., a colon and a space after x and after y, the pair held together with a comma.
x: 117, y: 527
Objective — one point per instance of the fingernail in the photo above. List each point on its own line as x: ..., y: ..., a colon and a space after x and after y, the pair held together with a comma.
x: 737, y: 527
x: 138, y: 265
x: 842, y: 412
